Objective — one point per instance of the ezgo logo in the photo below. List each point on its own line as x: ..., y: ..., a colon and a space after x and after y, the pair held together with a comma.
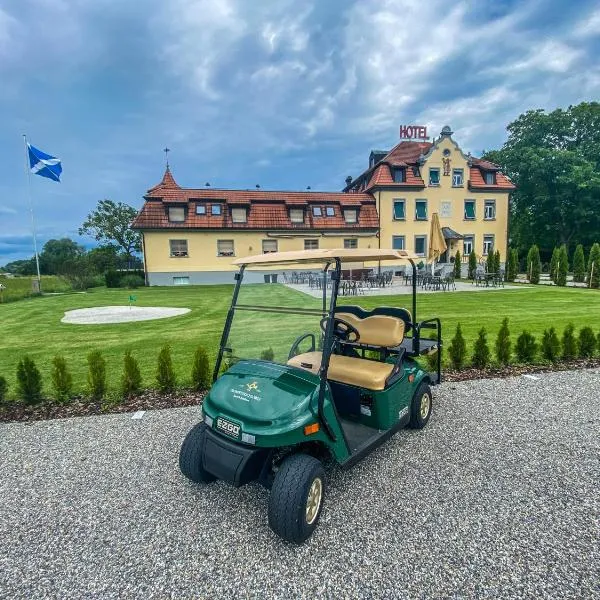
x: 227, y: 427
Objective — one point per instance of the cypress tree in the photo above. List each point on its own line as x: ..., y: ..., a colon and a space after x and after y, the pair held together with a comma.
x: 503, y: 344
x: 497, y: 261
x: 579, y: 264
x: 457, y: 350
x: 593, y: 269
x: 534, y: 264
x: 481, y: 351
x: 457, y: 265
x: 554, y: 263
x: 562, y: 267
x: 472, y: 264
x: 490, y: 262
x: 569, y: 343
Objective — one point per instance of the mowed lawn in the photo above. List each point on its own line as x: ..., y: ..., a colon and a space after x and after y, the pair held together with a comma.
x: 33, y: 326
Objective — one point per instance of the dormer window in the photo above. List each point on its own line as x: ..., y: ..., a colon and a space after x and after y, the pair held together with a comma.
x: 200, y: 209
x: 490, y: 178
x: 398, y: 175
x: 297, y: 215
x: 176, y: 214
x: 330, y: 211
x: 317, y: 212
x: 239, y: 215
x: 350, y: 215
x: 216, y: 210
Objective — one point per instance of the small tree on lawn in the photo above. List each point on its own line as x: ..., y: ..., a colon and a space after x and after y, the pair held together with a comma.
x: 569, y: 343
x: 550, y: 345
x: 268, y: 354
x: 554, y: 263
x: 562, y: 268
x: 165, y: 376
x: 534, y: 264
x: 503, y: 344
x: 457, y: 265
x: 593, y: 269
x: 3, y: 388
x: 29, y: 381
x: 512, y: 264
x: 458, y: 350
x: 472, y: 264
x: 131, y: 380
x: 579, y: 264
x: 96, y: 375
x: 490, y: 262
x: 525, y: 347
x: 62, y: 380
x: 481, y: 350
x: 200, y: 370
x: 497, y: 261
x: 587, y: 342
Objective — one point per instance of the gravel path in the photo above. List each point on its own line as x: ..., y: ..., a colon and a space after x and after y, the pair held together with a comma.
x: 496, y: 498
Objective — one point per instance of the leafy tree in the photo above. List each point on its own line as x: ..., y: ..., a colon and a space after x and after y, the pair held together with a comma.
x: 29, y: 381
x: 593, y: 269
x: 200, y: 370
x: 481, y: 351
x: 56, y: 252
x: 587, y: 342
x: 503, y: 344
x: 104, y: 258
x: 562, y: 266
x: 554, y: 263
x: 569, y: 343
x: 21, y: 267
x: 525, y: 347
x: 579, y: 264
x: 111, y: 223
x: 458, y: 350
x: 550, y: 345
x: 457, y: 265
x: 472, y: 264
x: 79, y: 272
x: 62, y: 380
x: 534, y: 264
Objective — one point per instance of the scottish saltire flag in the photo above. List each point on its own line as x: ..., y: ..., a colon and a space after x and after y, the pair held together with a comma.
x: 43, y: 164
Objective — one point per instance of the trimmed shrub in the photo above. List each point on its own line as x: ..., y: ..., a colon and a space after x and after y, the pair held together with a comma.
x: 112, y: 279
x: 29, y: 381
x: 525, y: 348
x: 490, y: 263
x: 432, y: 358
x: 165, y: 376
x: 457, y: 265
x: 62, y: 380
x: 131, y: 380
x: 497, y: 261
x: 503, y: 344
x: 96, y: 377
x: 481, y: 351
x: 569, y: 343
x: 200, y: 370
x: 512, y: 265
x: 550, y: 345
x: 267, y: 354
x: 587, y: 342
x: 593, y: 269
x: 3, y: 388
x: 534, y: 264
x: 472, y: 264
x: 458, y: 350
x: 562, y: 268
x: 554, y: 263
x: 579, y: 264
x: 132, y: 281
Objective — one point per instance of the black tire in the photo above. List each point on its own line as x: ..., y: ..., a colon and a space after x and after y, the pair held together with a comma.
x: 293, y: 481
x: 417, y: 420
x: 190, y: 456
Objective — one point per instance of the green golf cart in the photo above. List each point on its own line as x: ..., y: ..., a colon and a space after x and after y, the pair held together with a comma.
x: 338, y: 388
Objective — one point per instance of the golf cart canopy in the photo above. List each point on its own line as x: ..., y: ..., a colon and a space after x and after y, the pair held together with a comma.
x: 325, y: 256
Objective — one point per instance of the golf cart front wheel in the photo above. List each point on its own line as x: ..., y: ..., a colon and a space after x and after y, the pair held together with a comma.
x: 296, y: 498
x: 421, y: 407
x: 190, y: 456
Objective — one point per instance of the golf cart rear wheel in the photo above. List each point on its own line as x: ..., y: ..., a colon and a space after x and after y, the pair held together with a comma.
x: 420, y: 409
x: 297, y: 497
x: 190, y: 456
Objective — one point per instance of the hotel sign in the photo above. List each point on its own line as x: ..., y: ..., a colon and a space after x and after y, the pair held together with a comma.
x: 411, y: 132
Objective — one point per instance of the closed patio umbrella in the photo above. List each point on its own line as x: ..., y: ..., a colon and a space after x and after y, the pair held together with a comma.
x: 437, y: 243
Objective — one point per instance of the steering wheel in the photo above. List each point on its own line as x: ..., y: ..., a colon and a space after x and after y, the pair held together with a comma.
x: 342, y: 330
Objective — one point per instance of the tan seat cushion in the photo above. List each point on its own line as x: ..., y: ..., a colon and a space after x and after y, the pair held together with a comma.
x: 376, y: 330
x: 367, y: 374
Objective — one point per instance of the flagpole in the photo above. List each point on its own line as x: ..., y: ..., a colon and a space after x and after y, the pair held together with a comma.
x: 35, y: 249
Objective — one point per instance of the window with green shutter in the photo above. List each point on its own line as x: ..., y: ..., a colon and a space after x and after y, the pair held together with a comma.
x: 421, y: 210
x: 399, y: 214
x: 469, y: 209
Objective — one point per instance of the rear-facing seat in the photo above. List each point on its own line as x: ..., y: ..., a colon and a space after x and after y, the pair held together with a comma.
x: 376, y: 330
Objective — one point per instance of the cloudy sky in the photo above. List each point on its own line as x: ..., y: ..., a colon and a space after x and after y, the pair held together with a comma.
x: 284, y: 93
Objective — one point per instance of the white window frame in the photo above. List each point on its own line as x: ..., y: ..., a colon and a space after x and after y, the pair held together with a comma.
x: 456, y: 173
x: 329, y: 209
x: 311, y: 244
x: 269, y: 242
x: 297, y: 215
x: 201, y: 209
x: 347, y: 212
x: 424, y: 238
x: 178, y: 248
x: 489, y: 204
x: 239, y: 215
x: 468, y: 239
x: 317, y: 211
x: 399, y: 237
x: 222, y: 252
x: 218, y: 205
x: 487, y: 247
x: 180, y: 210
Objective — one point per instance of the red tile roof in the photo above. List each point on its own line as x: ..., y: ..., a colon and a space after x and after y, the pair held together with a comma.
x: 383, y: 176
x: 266, y: 209
x: 477, y: 181
x: 406, y: 153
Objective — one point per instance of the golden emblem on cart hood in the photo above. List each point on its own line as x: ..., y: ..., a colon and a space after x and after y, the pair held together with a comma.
x: 252, y: 387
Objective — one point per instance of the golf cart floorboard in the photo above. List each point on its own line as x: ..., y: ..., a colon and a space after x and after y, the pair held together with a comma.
x: 363, y: 439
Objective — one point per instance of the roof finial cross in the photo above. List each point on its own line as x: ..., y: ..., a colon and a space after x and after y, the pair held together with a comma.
x: 166, y: 151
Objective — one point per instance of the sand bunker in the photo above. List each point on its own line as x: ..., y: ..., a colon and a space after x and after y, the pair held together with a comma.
x: 101, y: 315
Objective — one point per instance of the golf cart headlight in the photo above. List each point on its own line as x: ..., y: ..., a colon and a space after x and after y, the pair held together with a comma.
x: 248, y: 439
x: 208, y: 420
